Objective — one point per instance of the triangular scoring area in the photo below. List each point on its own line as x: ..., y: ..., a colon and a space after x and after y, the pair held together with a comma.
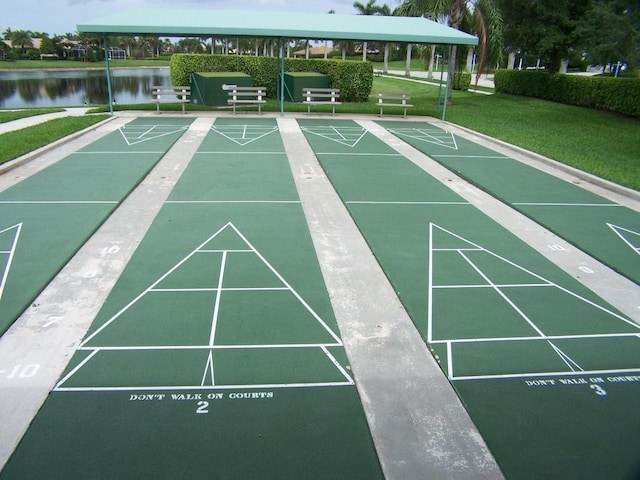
x: 479, y: 300
x: 222, y: 305
x: 441, y: 138
x: 631, y: 238
x: 244, y: 134
x: 8, y: 244
x: 135, y: 134
x: 349, y: 136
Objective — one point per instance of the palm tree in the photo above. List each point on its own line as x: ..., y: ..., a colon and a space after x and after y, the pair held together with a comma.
x: 370, y: 9
x: 7, y: 33
x: 22, y: 38
x: 486, y: 23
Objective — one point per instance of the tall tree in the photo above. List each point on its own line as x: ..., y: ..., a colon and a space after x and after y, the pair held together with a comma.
x: 546, y: 29
x: 485, y: 20
x: 21, y: 38
x: 610, y: 32
x: 370, y: 9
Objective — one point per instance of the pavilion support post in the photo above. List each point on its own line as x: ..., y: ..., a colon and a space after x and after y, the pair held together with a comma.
x: 450, y: 71
x: 281, y: 54
x: 106, y: 61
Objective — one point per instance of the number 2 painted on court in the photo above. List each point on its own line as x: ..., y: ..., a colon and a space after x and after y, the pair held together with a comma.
x: 599, y: 390
x: 203, y: 407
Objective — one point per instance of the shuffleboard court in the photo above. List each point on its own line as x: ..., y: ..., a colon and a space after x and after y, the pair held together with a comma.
x: 47, y: 217
x: 605, y: 230
x: 549, y: 372
x: 217, y: 354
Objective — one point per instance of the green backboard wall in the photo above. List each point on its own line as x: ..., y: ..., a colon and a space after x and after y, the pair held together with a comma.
x: 294, y: 82
x: 206, y: 87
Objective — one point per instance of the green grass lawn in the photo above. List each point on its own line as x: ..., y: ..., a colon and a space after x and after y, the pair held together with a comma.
x: 66, y: 64
x: 19, y: 142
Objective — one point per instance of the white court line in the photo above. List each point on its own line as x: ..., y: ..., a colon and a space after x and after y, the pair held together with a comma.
x: 358, y: 202
x: 214, y: 289
x: 284, y: 282
x: 358, y: 154
x: 543, y: 204
x: 216, y: 307
x: 537, y: 338
x: 11, y: 252
x: 112, y: 152
x: 238, y: 153
x: 210, y: 347
x: 337, y: 364
x: 58, y: 202
x: 78, y: 367
x: 545, y: 374
x: 208, y: 367
x: 232, y: 201
x: 504, y: 297
x: 469, y: 156
x: 616, y: 229
x: 203, y: 387
x: 517, y: 285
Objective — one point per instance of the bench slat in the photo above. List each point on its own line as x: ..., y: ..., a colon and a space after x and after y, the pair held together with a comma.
x: 246, y: 96
x: 171, y: 94
x: 321, y: 96
x: 402, y: 98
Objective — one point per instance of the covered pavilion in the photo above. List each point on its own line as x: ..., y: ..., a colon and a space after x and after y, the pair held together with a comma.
x: 281, y: 26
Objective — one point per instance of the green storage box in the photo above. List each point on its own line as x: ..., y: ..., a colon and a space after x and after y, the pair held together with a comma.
x: 294, y: 82
x: 206, y: 87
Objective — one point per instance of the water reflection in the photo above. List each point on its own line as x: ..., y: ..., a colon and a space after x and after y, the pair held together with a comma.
x: 77, y: 88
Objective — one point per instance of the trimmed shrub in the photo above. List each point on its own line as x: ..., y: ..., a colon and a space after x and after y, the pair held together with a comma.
x: 354, y: 79
x: 619, y: 95
x: 461, y: 81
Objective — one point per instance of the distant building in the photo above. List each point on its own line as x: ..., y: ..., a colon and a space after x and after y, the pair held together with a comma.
x: 314, y: 51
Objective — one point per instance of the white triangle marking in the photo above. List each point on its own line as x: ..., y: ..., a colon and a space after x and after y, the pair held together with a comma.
x: 618, y: 231
x: 9, y: 254
x: 349, y: 136
x: 240, y: 133
x: 441, y: 138
x: 135, y: 134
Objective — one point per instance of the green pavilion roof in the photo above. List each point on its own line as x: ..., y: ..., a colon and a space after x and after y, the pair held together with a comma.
x: 227, y: 23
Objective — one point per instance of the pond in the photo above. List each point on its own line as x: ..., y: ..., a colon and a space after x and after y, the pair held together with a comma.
x: 77, y: 88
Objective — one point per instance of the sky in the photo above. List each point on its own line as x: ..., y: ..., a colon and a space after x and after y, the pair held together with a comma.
x: 62, y: 16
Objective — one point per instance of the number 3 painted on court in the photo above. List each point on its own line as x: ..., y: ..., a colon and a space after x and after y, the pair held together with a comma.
x: 599, y: 390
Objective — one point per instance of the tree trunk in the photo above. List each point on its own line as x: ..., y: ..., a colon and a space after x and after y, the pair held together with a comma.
x: 387, y: 47
x: 511, y: 62
x: 469, y: 67
x: 407, y: 65
x: 364, y: 51
x: 432, y: 48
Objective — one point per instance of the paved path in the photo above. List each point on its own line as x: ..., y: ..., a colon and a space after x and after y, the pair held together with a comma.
x: 35, y: 120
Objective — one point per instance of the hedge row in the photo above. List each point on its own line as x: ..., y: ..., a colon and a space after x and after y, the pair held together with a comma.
x: 620, y: 95
x: 354, y: 79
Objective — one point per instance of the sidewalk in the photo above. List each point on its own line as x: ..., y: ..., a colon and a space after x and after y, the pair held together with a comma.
x: 35, y: 120
x: 484, y: 80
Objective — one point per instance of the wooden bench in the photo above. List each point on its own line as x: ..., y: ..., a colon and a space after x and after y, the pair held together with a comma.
x: 170, y: 94
x: 394, y: 99
x: 321, y: 96
x: 246, y: 95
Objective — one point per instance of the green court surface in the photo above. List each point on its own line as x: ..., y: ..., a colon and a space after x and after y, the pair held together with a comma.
x: 47, y: 217
x: 605, y: 230
x: 549, y: 372
x: 217, y: 354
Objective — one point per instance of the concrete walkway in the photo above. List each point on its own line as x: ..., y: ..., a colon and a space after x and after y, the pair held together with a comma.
x: 35, y: 120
